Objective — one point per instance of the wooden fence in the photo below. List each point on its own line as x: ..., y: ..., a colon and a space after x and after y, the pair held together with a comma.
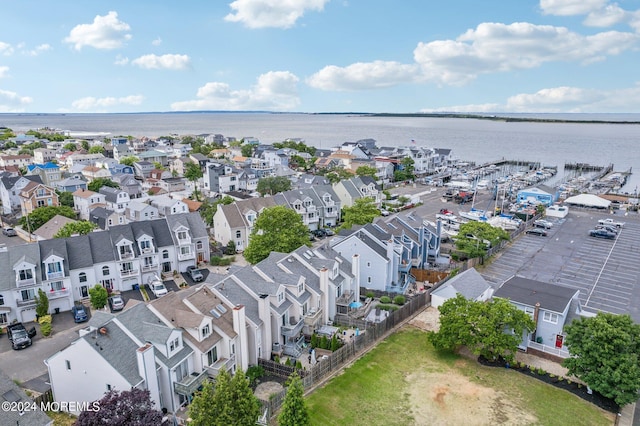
x: 372, y: 333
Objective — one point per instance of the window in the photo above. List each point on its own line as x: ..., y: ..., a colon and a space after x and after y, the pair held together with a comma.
x: 174, y: 344
x: 368, y: 279
x: 550, y: 317
x: 127, y: 267
x: 145, y: 244
x: 108, y: 387
x: 182, y: 235
x: 41, y: 203
x: 529, y: 311
x: 28, y: 294
x: 125, y: 251
x: 368, y: 264
x: 3, y: 318
x: 1, y: 300
x: 206, y: 330
x: 57, y: 286
x: 212, y: 356
x: 82, y: 277
x: 199, y: 245
x: 105, y: 270
x: 280, y: 296
x: 54, y: 267
x: 25, y: 274
x: 68, y: 364
x: 165, y: 254
x: 148, y: 261
x: 238, y: 234
x: 185, y: 250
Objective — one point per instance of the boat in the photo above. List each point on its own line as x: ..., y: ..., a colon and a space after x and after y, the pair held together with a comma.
x: 504, y: 222
x: 474, y: 214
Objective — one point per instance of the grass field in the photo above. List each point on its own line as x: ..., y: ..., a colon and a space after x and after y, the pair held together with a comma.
x: 404, y: 381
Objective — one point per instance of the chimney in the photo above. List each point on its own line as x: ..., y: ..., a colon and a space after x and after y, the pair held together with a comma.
x: 536, y: 314
x: 264, y: 312
x: 325, y: 295
x: 242, y: 346
x: 147, y: 370
x: 355, y: 271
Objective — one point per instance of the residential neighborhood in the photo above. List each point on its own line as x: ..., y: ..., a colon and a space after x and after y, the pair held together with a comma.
x: 155, y: 211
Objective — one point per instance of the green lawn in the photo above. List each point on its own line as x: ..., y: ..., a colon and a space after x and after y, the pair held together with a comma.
x: 404, y: 381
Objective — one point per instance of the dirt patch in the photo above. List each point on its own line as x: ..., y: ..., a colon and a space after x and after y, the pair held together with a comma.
x: 428, y: 320
x: 437, y: 398
x: 265, y: 390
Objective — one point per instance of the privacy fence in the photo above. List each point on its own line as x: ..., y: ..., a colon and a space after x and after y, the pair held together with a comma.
x: 370, y: 334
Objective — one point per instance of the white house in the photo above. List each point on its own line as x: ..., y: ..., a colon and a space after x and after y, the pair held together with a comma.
x: 469, y: 284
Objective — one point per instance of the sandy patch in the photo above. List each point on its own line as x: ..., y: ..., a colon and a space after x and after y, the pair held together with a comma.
x: 429, y: 319
x: 451, y: 399
x: 265, y: 390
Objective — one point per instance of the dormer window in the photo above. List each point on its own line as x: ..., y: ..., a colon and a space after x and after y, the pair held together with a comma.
x: 206, y: 331
x: 54, y: 270
x: 182, y: 235
x: 174, y: 344
x: 300, y: 287
x: 145, y: 246
x: 125, y: 251
x: 280, y: 296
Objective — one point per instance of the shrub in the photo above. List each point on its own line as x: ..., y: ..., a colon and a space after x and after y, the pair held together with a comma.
x: 45, y: 329
x: 399, y: 300
x: 370, y: 294
x: 288, y: 362
x: 298, y: 365
x: 314, y: 340
x: 386, y: 307
x: 221, y: 261
x: 45, y: 319
x: 569, y: 382
x: 254, y: 373
x: 541, y: 371
x: 276, y: 359
x: 385, y: 299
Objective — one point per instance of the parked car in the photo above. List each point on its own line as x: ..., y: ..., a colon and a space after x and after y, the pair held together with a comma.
x: 9, y: 232
x: 608, y: 228
x: 537, y: 231
x: 328, y: 232
x: 116, y: 302
x: 541, y: 223
x: 157, y: 288
x: 602, y: 233
x: 195, y: 273
x: 611, y: 222
x: 79, y: 313
x: 384, y: 213
x: 19, y: 336
x: 319, y: 233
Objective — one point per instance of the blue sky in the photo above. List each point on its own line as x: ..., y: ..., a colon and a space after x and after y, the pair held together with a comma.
x: 320, y: 56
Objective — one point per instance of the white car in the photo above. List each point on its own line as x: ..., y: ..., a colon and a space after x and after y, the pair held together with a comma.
x: 611, y: 222
x: 157, y: 288
x: 541, y: 223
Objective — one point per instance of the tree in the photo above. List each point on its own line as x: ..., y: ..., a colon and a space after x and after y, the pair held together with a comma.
x: 208, y: 208
x: 367, y: 171
x: 70, y: 146
x: 336, y: 174
x: 363, y: 211
x: 158, y: 165
x: 605, y: 352
x: 128, y: 161
x: 294, y: 410
x: 482, y: 327
x: 65, y: 198
x: 473, y: 236
x: 98, y: 183
x: 278, y: 229
x: 98, y: 296
x: 273, y: 184
x: 84, y: 145
x: 201, y: 411
x: 42, y: 215
x: 245, y: 406
x: 247, y: 150
x: 221, y: 402
x: 231, y: 247
x: 193, y: 173
x: 132, y: 407
x: 81, y: 227
x: 42, y: 304
x: 96, y: 149
x: 405, y: 172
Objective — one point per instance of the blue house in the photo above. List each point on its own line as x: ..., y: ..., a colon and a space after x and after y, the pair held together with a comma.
x: 541, y: 194
x: 551, y: 306
x: 121, y: 169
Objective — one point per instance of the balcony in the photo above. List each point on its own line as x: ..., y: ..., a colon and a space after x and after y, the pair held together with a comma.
x: 312, y: 317
x: 147, y: 250
x: 220, y: 365
x: 293, y: 329
x: 345, y: 299
x: 55, y: 275
x: 186, y: 256
x: 404, y: 266
x: 26, y: 282
x: 56, y: 294
x: 126, y: 255
x: 333, y: 213
x: 29, y: 302
x: 190, y: 384
x: 151, y: 267
x: 128, y: 273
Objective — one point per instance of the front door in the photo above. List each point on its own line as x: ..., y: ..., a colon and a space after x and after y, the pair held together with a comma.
x: 559, y: 340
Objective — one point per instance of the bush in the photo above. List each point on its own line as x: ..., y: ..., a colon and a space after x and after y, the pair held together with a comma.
x: 45, y: 319
x: 370, y: 294
x: 298, y: 365
x: 385, y: 299
x: 288, y: 362
x: 387, y: 307
x: 399, y: 300
x: 221, y: 261
x: 254, y: 373
x: 276, y: 359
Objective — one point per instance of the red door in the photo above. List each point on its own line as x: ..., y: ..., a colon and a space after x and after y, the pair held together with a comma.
x: 559, y: 340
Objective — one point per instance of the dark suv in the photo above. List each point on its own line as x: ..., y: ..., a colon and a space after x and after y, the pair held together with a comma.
x: 79, y: 313
x: 602, y: 233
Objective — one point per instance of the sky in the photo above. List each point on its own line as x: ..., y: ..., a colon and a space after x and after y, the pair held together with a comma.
x: 406, y: 56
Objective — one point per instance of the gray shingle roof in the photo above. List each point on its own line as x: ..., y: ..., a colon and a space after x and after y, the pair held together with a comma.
x: 11, y: 392
x: 469, y: 283
x: 237, y: 295
x: 28, y: 252
x: 552, y: 297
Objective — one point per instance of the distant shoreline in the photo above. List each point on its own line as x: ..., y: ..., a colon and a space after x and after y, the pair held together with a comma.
x: 501, y: 118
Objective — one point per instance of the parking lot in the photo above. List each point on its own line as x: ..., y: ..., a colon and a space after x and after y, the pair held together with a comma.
x: 606, y: 272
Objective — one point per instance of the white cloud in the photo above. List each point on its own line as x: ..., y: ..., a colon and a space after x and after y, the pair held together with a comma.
x: 275, y: 91
x: 106, y: 32
x: 271, y: 13
x: 6, y: 49
x: 157, y: 42
x: 91, y: 104
x: 363, y: 75
x: 489, y: 48
x: 12, y: 102
x: 38, y: 50
x: 560, y: 99
x: 571, y: 7
x: 168, y: 62
x: 121, y: 60
x: 4, y: 71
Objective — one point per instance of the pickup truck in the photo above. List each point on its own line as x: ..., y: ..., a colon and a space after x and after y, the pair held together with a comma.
x: 19, y: 336
x: 609, y: 221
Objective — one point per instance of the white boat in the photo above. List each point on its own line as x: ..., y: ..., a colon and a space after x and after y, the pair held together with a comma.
x: 482, y: 184
x: 504, y: 223
x: 473, y: 214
